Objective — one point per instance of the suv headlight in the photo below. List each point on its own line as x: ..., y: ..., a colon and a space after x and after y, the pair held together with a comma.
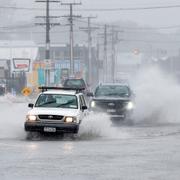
x: 130, y: 105
x: 70, y: 119
x: 93, y: 104
x: 31, y: 118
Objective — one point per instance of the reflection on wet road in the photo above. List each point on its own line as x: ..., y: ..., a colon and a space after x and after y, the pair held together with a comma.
x: 101, y: 150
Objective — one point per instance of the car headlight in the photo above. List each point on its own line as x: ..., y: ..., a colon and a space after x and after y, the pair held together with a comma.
x: 130, y: 105
x: 31, y: 118
x: 93, y: 104
x: 70, y: 119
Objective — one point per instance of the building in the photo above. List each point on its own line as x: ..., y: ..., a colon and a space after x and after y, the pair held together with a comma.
x: 59, y: 63
x: 16, y: 58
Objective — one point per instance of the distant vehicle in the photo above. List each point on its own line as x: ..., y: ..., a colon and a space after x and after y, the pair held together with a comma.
x: 76, y: 83
x: 2, y: 87
x: 56, y: 110
x: 117, y: 100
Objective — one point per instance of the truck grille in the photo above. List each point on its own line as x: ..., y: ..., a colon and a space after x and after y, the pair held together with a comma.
x: 111, y: 104
x: 111, y: 107
x: 50, y: 117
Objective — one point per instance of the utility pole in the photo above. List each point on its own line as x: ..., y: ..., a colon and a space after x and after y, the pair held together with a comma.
x: 48, y: 25
x: 89, y: 30
x: 113, y: 55
x: 115, y: 41
x: 98, y: 57
x: 105, y: 35
x: 105, y: 69
x: 71, y: 16
x: 109, y: 67
x: 47, y: 31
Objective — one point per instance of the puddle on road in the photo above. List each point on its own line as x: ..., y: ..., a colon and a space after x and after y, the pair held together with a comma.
x: 95, y: 126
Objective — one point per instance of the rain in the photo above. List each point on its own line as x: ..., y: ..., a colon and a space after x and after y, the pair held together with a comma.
x: 89, y: 90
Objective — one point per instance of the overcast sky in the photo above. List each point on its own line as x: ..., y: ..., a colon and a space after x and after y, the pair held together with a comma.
x: 156, y: 18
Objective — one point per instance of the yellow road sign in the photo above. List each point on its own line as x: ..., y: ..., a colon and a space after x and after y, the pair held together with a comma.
x: 26, y: 91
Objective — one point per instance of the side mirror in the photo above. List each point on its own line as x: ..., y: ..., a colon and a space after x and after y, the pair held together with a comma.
x: 84, y: 108
x: 133, y: 95
x: 90, y: 94
x: 30, y: 105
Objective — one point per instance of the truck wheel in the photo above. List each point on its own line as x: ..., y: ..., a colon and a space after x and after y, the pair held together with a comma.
x: 33, y: 136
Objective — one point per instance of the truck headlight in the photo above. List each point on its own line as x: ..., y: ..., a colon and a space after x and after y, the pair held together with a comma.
x: 93, y: 104
x: 70, y: 119
x: 130, y: 106
x: 31, y: 118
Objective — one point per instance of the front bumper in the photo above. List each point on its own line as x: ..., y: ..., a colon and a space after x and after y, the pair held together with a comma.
x: 59, y: 127
x: 2, y: 90
x: 114, y: 114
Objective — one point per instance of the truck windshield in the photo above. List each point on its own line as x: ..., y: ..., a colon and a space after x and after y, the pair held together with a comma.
x: 57, y: 101
x: 112, y: 90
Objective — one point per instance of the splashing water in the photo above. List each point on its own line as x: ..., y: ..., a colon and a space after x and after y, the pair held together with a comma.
x: 157, y: 97
x: 12, y: 119
x: 100, y: 125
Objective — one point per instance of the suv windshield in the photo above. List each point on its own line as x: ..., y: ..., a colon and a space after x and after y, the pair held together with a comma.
x: 112, y: 90
x: 57, y: 101
x: 74, y: 83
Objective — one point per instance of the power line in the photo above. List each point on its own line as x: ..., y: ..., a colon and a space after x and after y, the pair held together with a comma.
x: 36, y: 32
x: 78, y: 32
x: 18, y: 26
x: 97, y: 9
x: 151, y: 28
x: 135, y: 28
x: 125, y: 29
x: 132, y: 9
x: 99, y: 25
x: 148, y: 41
x: 95, y: 24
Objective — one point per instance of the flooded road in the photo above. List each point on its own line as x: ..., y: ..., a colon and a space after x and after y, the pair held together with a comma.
x: 101, y: 151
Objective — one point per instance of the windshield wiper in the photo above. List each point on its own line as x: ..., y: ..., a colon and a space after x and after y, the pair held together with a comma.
x: 124, y: 94
x: 69, y: 102
x: 117, y: 94
x: 111, y: 94
x: 49, y: 102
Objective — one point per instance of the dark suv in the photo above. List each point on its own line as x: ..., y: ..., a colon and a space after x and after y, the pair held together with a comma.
x: 76, y: 83
x: 114, y: 99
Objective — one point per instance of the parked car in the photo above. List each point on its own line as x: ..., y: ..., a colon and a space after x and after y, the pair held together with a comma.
x: 76, y: 83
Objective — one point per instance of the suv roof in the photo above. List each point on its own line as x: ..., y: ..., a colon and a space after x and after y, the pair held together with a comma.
x: 113, y: 84
x: 60, y: 90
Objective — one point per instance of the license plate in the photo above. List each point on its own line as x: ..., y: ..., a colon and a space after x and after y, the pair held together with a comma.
x: 111, y: 110
x: 49, y: 129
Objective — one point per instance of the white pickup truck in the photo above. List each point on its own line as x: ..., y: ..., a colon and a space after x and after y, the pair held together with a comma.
x: 56, y: 110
